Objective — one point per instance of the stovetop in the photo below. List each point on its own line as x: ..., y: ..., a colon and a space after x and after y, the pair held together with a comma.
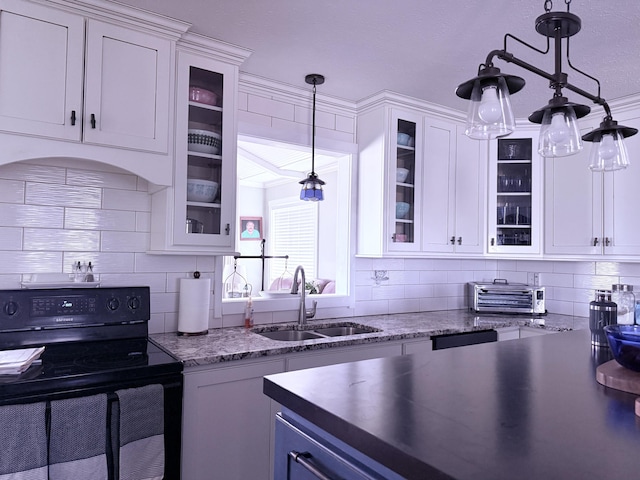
x: 91, y: 365
x: 95, y: 340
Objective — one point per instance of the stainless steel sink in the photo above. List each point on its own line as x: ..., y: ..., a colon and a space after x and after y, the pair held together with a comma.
x: 294, y: 335
x: 345, y: 330
x: 290, y: 335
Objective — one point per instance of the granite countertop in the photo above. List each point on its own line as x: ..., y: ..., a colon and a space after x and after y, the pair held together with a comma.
x: 530, y: 409
x: 237, y: 343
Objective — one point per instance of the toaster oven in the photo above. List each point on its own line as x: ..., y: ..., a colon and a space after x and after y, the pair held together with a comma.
x: 501, y: 296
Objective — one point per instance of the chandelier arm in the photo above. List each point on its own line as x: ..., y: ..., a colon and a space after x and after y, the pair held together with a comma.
x: 510, y: 58
x: 543, y: 52
x: 580, y: 71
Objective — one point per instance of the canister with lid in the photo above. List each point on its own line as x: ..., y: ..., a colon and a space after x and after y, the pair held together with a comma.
x: 602, y: 312
x: 624, y: 298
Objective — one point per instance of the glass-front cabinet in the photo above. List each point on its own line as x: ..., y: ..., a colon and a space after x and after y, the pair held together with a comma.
x: 514, y: 204
x: 404, y: 172
x: 200, y: 208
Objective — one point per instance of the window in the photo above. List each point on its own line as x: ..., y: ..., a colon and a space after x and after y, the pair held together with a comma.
x: 293, y: 231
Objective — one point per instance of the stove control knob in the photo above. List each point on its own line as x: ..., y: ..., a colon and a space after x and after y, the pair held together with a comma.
x: 134, y: 303
x: 113, y: 304
x: 10, y: 308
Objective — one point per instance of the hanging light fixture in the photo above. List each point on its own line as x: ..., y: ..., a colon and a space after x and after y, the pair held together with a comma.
x: 490, y: 114
x: 312, y: 185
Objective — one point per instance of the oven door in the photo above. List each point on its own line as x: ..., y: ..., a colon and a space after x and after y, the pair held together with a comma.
x: 172, y: 387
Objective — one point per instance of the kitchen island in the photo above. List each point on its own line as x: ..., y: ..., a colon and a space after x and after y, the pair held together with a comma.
x: 525, y: 409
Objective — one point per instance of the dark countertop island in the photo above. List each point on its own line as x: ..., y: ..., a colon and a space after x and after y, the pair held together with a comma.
x: 527, y: 409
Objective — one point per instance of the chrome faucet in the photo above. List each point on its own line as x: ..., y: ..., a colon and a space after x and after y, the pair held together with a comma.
x: 303, y: 313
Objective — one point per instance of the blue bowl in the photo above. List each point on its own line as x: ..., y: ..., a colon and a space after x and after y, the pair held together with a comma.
x: 624, y: 341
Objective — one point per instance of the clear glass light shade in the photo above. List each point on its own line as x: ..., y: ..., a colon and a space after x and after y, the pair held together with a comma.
x: 490, y: 113
x: 609, y: 153
x: 559, y: 134
x: 312, y: 188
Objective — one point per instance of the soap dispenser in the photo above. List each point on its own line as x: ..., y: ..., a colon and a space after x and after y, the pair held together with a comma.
x: 248, y: 313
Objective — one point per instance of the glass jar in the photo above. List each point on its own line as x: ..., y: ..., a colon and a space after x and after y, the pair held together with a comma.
x: 624, y: 298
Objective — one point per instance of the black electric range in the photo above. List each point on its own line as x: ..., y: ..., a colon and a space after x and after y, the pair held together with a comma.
x: 96, y: 341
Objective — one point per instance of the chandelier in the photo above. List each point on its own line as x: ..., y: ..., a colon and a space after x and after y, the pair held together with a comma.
x: 490, y: 114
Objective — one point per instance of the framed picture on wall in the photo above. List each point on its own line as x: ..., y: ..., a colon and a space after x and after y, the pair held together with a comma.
x: 250, y: 228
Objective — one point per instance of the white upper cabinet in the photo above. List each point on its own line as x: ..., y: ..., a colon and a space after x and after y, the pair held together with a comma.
x: 123, y: 98
x: 421, y: 184
x: 201, y: 218
x: 390, y: 159
x: 77, y: 77
x: 41, y: 70
x: 454, y: 175
x: 127, y: 88
x: 592, y: 213
x: 515, y: 194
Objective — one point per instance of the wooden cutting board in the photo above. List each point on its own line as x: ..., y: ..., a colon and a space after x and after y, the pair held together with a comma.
x: 612, y: 374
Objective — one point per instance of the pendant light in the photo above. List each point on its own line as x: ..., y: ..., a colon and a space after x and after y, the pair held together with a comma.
x: 489, y: 113
x: 312, y: 185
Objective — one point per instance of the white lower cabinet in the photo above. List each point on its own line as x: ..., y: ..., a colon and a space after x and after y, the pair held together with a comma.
x: 227, y: 421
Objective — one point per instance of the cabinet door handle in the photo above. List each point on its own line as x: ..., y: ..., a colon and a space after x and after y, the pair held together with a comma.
x: 304, y: 459
x: 227, y: 229
x: 73, y: 117
x: 93, y: 120
x: 596, y: 241
x: 607, y: 241
x: 453, y: 240
x: 493, y: 241
x: 459, y: 240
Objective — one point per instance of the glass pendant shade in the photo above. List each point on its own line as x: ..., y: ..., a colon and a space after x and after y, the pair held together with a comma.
x: 609, y: 153
x: 489, y: 115
x: 559, y: 133
x: 311, y: 188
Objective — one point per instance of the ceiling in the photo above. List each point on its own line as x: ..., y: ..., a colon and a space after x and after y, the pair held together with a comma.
x: 419, y: 48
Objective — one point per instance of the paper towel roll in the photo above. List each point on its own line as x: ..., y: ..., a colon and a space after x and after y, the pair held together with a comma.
x: 193, y: 309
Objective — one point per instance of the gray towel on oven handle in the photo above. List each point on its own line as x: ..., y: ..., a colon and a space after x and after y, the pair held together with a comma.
x: 141, y: 430
x: 23, y: 452
x: 77, y: 439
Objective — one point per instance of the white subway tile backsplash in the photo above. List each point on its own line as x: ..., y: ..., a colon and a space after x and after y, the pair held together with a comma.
x: 63, y: 195
x: 418, y: 291
x: 96, y: 219
x: 556, y: 280
x: 57, y: 239
x: 31, y: 216
x: 386, y: 292
x: 11, y: 238
x: 433, y: 277
x: 33, y: 172
x: 594, y: 281
x: 102, y: 262
x: 404, y: 305
x: 101, y: 179
x: 272, y: 108
x: 125, y: 241
x: 164, y: 263
x: 345, y: 124
x: 143, y: 221
x: 126, y: 200
x: 157, y: 282
x: 30, y: 262
x: 11, y: 191
x: 375, y: 307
